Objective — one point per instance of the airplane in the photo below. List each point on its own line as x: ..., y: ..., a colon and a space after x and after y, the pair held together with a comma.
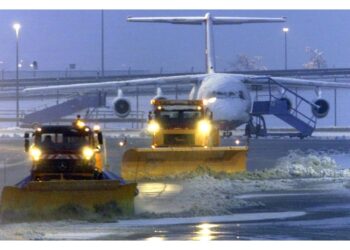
x: 226, y: 95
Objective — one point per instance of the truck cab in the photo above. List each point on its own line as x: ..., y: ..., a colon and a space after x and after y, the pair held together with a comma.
x: 177, y: 123
x: 65, y: 152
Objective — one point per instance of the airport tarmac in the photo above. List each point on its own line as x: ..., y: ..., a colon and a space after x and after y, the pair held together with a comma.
x: 263, y: 153
x: 295, y: 189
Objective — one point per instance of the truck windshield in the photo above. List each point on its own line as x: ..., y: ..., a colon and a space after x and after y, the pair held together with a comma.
x: 178, y: 118
x: 59, y: 141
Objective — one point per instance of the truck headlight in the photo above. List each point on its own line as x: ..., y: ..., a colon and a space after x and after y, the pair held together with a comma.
x: 80, y: 124
x: 153, y: 127
x: 88, y: 153
x: 204, y: 126
x: 35, y: 153
x: 97, y: 128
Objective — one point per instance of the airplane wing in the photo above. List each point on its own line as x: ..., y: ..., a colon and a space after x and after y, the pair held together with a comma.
x: 157, y: 81
x: 293, y: 82
x: 251, y: 80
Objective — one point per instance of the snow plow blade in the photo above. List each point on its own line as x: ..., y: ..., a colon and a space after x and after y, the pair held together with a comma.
x: 67, y: 199
x: 158, y: 163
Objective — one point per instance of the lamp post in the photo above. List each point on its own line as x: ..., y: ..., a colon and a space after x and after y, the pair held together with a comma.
x: 102, y: 45
x: 285, y: 31
x: 17, y: 27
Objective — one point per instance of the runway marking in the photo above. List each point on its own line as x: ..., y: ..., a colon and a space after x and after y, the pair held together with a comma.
x: 75, y: 235
x: 209, y: 219
x: 252, y: 196
x: 97, y: 230
x: 14, y: 164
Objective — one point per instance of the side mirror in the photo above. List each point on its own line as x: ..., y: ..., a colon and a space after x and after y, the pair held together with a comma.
x: 26, y: 142
x: 100, y: 138
x: 209, y: 114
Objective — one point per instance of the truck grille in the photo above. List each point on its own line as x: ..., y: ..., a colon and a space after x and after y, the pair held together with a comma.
x: 179, y: 140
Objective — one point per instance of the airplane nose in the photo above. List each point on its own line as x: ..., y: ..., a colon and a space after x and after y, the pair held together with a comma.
x: 228, y: 110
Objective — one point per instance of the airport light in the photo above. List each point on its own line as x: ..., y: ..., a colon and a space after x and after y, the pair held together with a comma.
x: 285, y: 31
x: 17, y: 27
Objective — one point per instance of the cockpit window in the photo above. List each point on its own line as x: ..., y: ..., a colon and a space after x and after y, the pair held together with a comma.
x: 228, y: 94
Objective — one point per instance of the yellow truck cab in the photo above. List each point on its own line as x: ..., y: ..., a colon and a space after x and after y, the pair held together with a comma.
x: 68, y: 179
x: 178, y: 123
x: 66, y: 152
x: 185, y: 141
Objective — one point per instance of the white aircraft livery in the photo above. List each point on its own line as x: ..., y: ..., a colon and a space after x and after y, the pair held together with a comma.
x: 225, y: 95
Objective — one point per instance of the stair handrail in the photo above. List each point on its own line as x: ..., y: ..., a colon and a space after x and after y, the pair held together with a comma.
x: 311, y: 120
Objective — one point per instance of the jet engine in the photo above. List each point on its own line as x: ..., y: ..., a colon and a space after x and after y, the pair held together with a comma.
x: 121, y: 105
x: 322, y: 110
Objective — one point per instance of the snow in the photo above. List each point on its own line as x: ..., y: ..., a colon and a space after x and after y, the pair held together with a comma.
x: 210, y: 194
x: 204, y: 199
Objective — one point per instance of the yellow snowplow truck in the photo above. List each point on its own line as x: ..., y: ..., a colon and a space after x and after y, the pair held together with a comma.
x: 184, y: 139
x: 68, y: 178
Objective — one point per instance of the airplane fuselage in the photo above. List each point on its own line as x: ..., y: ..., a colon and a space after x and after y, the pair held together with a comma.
x: 227, y: 97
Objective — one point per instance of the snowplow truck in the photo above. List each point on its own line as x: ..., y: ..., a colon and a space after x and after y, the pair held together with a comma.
x: 68, y: 178
x: 184, y: 141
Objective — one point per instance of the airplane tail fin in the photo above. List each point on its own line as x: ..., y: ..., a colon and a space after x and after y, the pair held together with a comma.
x: 209, y: 21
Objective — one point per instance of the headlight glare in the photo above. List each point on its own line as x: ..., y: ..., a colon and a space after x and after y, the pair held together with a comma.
x: 153, y: 127
x: 88, y: 153
x: 204, y: 126
x: 35, y: 153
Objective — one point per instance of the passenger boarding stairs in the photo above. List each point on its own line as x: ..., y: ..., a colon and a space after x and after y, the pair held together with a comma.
x: 281, y: 107
x: 54, y: 113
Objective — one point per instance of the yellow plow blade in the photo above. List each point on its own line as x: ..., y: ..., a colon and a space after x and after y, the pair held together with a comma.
x: 83, y: 199
x: 158, y: 163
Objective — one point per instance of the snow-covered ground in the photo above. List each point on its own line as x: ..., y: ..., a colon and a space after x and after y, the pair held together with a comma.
x: 201, y: 207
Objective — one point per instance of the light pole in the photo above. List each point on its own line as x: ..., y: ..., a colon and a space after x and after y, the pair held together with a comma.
x: 17, y: 27
x: 285, y: 31
x: 102, y: 45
